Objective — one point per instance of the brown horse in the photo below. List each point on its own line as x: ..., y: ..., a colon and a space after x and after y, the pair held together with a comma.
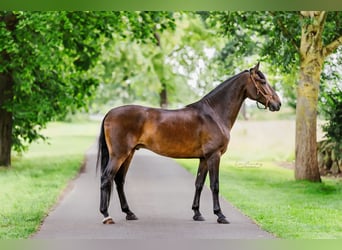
x: 200, y: 130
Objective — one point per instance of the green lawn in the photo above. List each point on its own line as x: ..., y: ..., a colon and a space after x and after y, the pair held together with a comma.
x: 35, y: 181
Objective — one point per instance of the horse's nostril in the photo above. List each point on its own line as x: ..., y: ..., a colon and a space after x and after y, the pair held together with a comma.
x: 279, y: 105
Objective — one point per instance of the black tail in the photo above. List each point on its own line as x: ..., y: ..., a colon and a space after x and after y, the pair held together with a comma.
x: 102, y: 153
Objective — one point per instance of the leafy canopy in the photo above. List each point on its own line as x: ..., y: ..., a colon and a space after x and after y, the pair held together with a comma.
x: 136, y: 72
x: 48, y: 55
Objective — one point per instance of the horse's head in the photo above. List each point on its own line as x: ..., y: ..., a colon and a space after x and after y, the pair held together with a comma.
x: 260, y: 90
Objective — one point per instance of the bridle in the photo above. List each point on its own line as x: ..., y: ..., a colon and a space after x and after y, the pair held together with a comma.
x: 268, y: 97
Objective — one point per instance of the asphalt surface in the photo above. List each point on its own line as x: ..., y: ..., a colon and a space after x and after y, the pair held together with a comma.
x: 159, y: 192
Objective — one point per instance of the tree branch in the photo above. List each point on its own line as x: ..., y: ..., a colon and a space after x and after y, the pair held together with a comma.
x: 157, y: 37
x: 11, y: 20
x: 330, y: 48
x: 175, y: 50
x: 311, y: 14
x: 285, y: 31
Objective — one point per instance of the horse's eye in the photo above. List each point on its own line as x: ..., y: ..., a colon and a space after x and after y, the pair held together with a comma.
x: 263, y: 81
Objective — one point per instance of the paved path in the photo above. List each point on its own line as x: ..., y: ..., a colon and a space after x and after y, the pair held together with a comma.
x: 159, y: 192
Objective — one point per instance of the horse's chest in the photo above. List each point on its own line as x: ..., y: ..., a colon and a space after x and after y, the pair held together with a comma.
x: 215, y: 138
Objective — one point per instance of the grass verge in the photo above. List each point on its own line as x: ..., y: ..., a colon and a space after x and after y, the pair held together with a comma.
x: 35, y: 181
x: 289, y: 209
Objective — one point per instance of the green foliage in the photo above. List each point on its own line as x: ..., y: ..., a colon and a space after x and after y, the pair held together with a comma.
x: 331, y: 105
x: 49, y: 55
x: 330, y: 101
x: 128, y: 73
x: 136, y: 72
x: 333, y: 27
x: 144, y: 24
x: 272, y: 35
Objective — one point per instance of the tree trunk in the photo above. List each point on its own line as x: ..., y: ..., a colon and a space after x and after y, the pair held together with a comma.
x: 311, y: 63
x: 163, y: 97
x: 6, y: 97
x: 306, y: 165
x: 6, y: 93
x: 163, y: 100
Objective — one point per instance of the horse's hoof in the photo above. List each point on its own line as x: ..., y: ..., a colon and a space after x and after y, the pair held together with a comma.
x: 198, y: 218
x: 108, y: 220
x: 222, y: 220
x: 131, y: 217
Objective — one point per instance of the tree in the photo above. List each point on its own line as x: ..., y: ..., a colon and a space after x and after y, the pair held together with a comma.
x: 45, y: 59
x: 150, y: 72
x: 182, y: 52
x: 292, y: 40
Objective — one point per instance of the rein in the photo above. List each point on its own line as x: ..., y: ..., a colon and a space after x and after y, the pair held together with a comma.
x: 259, y: 91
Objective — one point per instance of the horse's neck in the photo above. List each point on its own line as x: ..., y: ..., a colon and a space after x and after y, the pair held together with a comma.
x: 227, y: 101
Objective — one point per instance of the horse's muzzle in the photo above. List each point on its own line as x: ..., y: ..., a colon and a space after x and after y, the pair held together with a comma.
x: 274, y: 106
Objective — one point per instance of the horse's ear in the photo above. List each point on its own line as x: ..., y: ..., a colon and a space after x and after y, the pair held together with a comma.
x: 256, y: 68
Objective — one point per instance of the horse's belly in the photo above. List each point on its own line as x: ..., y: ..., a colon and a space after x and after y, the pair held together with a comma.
x: 175, y: 151
x: 176, y: 143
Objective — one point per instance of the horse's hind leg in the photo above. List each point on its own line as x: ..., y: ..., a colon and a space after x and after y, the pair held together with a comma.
x: 201, y: 175
x: 106, y: 189
x: 120, y: 182
x: 107, y: 178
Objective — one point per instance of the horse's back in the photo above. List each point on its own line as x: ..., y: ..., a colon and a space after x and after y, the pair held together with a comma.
x: 174, y: 133
x: 125, y: 111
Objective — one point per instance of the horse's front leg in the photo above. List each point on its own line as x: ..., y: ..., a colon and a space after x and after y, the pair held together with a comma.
x: 200, y: 178
x: 213, y: 166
